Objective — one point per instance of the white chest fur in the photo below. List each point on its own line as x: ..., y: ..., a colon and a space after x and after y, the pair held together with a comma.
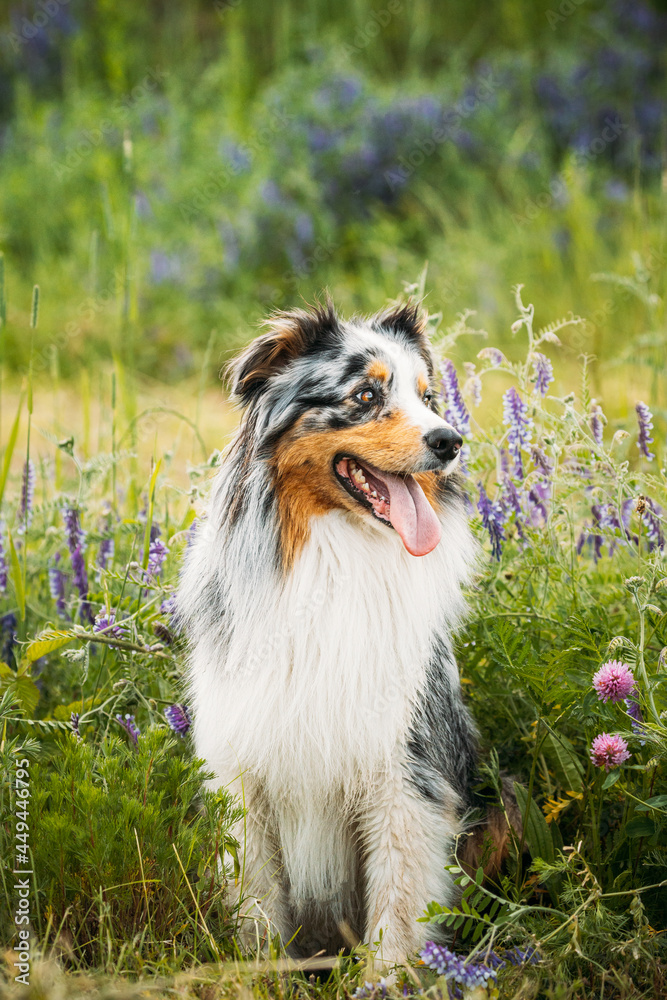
x: 310, y: 683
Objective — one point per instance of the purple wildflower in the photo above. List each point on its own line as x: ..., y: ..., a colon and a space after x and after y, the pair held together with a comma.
x: 609, y: 751
x: 74, y: 533
x: 538, y: 496
x: 378, y: 989
x: 4, y: 569
x: 105, y: 552
x: 650, y: 514
x: 24, y: 515
x: 635, y: 713
x: 57, y: 586
x: 157, y: 553
x: 192, y: 531
x: 473, y: 385
x: 455, y: 409
x: 510, y: 502
x: 467, y: 975
x: 598, y: 421
x: 515, y: 416
x: 76, y: 539
x: 107, y: 623
x: 74, y: 723
x: 130, y: 726
x: 614, y: 681
x: 8, y: 624
x: 645, y: 422
x: 80, y: 577
x: 492, y: 355
x: 493, y: 519
x: 540, y: 461
x: 522, y: 956
x: 543, y: 372
x: 168, y: 606
x: 178, y: 718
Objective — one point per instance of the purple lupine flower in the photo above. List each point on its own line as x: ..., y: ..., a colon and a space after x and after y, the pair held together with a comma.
x: 493, y: 519
x: 522, y: 956
x: 540, y: 461
x: 467, y: 975
x: 626, y: 517
x: 24, y: 514
x: 74, y: 533
x: 614, y: 681
x: 4, y: 569
x: 635, y: 713
x: 76, y: 540
x: 605, y: 518
x: 492, y: 355
x: 192, y: 531
x: 8, y: 624
x: 130, y: 726
x: 168, y: 606
x: 105, y: 553
x: 157, y: 553
x: 155, y: 531
x: 80, y: 577
x: 543, y: 372
x: 598, y: 421
x: 74, y: 723
x: 178, y: 718
x: 455, y: 409
x: 106, y: 621
x: 645, y: 423
x: 515, y: 416
x: 473, y: 383
x: 538, y: 497
x: 510, y: 501
x: 57, y: 586
x: 650, y: 514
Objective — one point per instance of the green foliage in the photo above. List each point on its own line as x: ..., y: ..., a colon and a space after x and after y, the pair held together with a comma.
x: 120, y: 840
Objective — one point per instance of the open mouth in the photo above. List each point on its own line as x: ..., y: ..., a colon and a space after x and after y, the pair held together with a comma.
x: 398, y: 501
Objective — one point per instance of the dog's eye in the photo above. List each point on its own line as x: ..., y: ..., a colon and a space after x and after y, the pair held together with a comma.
x: 428, y: 396
x: 365, y: 396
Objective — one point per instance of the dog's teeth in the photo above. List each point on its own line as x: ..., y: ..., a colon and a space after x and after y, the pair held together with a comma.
x: 374, y: 493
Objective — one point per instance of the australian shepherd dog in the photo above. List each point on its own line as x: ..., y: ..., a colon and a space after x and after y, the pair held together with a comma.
x: 320, y: 598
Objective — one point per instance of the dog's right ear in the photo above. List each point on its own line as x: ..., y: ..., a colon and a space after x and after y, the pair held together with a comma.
x: 289, y: 335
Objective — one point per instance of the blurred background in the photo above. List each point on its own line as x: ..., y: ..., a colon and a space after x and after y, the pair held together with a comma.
x: 171, y: 172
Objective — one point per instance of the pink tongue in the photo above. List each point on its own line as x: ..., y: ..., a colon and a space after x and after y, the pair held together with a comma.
x: 411, y: 514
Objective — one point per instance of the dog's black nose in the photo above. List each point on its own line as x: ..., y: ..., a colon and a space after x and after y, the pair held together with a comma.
x: 445, y: 442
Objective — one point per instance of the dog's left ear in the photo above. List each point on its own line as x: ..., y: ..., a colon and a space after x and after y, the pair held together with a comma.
x: 289, y: 335
x: 408, y: 320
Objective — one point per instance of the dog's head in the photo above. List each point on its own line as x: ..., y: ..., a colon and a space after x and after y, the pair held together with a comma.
x: 344, y: 414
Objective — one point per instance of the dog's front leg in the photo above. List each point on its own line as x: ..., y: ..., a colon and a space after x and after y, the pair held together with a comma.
x: 406, y: 841
x: 258, y: 894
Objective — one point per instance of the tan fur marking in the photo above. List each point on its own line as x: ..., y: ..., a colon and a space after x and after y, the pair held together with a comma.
x: 378, y: 369
x: 422, y: 384
x: 304, y: 479
x: 495, y: 827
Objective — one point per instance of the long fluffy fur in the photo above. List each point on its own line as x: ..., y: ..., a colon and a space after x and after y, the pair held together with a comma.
x: 324, y: 686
